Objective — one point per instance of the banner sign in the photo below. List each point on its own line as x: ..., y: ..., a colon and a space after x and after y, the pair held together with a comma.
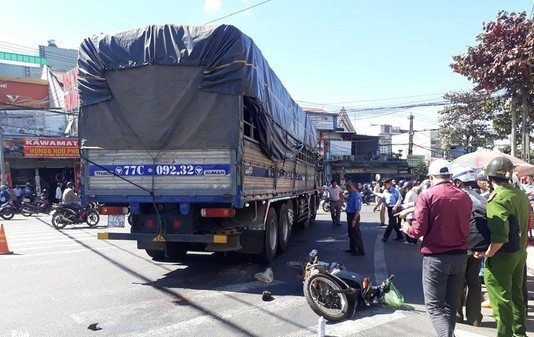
x: 15, y: 95
x: 41, y: 147
x: 70, y: 88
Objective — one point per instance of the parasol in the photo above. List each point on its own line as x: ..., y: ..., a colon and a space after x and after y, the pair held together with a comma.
x: 480, y: 158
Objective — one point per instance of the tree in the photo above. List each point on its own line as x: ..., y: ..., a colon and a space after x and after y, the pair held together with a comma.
x: 502, y: 60
x: 420, y: 171
x: 466, y: 121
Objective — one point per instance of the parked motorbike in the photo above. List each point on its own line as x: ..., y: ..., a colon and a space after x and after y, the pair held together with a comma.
x: 367, y: 196
x: 334, y: 292
x: 7, y: 211
x: 63, y: 215
x: 42, y: 205
x: 326, y: 203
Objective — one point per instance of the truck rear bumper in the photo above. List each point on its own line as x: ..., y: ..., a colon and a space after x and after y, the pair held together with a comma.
x: 229, y: 241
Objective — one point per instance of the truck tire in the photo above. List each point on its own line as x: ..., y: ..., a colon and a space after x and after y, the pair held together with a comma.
x: 175, y: 251
x: 313, y: 207
x: 284, y: 226
x: 305, y: 222
x: 270, y: 242
x: 155, y: 254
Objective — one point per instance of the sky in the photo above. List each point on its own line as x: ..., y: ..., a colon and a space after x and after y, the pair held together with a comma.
x: 381, y: 55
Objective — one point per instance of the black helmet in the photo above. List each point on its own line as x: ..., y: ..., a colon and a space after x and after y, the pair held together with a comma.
x: 500, y: 167
x: 70, y: 184
x: 480, y: 175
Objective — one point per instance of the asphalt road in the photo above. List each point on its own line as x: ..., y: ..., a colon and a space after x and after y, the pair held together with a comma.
x: 68, y: 283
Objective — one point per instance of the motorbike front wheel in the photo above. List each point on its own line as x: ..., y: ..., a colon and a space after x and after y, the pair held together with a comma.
x: 8, y: 212
x: 92, y: 218
x: 326, y: 206
x: 26, y: 210
x: 324, y: 296
x: 343, y: 206
x: 59, y: 221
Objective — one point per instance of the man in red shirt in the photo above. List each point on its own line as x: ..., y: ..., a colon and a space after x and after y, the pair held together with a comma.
x: 441, y: 217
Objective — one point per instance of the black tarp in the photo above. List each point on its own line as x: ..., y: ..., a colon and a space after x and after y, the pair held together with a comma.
x: 147, y: 81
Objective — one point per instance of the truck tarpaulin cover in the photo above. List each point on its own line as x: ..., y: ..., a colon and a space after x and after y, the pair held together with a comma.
x: 138, y: 88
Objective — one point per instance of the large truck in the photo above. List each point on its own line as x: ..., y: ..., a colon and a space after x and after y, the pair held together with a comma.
x: 187, y: 132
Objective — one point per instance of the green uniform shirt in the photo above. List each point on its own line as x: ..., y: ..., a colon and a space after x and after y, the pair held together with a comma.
x: 506, y: 200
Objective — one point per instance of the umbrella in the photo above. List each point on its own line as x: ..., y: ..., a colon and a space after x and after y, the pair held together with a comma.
x: 480, y: 158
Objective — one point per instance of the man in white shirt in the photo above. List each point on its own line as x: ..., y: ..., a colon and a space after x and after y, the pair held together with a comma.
x: 335, y: 194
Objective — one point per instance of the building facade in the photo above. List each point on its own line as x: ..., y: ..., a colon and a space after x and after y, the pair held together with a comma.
x: 38, y: 145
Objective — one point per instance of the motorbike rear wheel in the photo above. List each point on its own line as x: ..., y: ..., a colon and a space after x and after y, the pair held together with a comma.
x: 92, y: 218
x: 326, y: 206
x: 320, y: 291
x: 59, y: 221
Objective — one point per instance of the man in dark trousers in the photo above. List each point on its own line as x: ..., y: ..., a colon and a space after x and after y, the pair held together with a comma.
x: 442, y: 217
x: 393, y: 200
x: 354, y: 205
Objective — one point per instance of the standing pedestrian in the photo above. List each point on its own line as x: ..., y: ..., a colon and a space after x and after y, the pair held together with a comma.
x: 441, y: 217
x: 335, y: 195
x: 18, y: 192
x: 507, y: 213
x: 381, y: 208
x: 59, y: 192
x: 409, y: 200
x: 471, y: 293
x: 354, y: 206
x: 392, y: 200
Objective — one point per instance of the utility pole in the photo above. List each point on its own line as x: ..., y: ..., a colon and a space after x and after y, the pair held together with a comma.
x: 513, y: 138
x: 410, y: 136
x: 2, y: 162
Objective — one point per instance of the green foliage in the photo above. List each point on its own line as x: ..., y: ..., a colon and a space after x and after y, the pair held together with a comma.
x: 419, y: 172
x: 502, y: 62
x: 467, y: 121
x: 502, y: 58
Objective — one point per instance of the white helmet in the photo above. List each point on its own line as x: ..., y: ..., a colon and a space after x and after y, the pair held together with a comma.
x: 439, y: 167
x: 464, y: 174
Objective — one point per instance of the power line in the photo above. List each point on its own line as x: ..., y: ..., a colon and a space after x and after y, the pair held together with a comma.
x: 240, y: 11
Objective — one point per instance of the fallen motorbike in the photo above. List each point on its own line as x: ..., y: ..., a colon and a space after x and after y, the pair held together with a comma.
x: 334, y: 292
x: 7, y: 211
x: 63, y: 215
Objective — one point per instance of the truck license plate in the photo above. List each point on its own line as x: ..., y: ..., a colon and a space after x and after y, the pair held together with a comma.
x: 116, y: 220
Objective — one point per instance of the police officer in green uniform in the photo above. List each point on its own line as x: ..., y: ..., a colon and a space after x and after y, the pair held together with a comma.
x: 507, y: 213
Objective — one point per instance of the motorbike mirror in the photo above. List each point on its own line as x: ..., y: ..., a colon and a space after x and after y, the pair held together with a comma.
x: 312, y: 255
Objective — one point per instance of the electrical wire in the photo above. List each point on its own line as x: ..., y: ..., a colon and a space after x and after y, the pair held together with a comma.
x: 240, y: 11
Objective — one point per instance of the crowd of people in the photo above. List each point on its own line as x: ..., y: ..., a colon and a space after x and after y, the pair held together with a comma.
x: 439, y: 212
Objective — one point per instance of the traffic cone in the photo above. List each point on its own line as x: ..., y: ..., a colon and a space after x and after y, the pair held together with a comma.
x: 4, y: 249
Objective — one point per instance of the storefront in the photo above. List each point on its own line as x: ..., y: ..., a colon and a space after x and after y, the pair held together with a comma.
x: 44, y: 162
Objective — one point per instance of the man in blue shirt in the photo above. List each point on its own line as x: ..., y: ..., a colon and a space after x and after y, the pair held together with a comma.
x: 392, y: 199
x: 354, y: 205
x: 4, y: 195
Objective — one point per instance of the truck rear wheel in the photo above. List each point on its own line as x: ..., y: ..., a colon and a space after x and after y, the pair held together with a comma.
x: 284, y: 226
x: 270, y: 243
